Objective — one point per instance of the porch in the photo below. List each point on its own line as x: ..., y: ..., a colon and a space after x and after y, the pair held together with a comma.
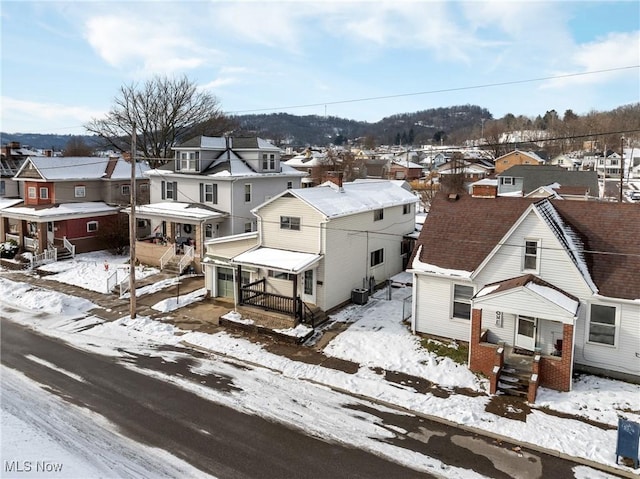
x: 254, y: 296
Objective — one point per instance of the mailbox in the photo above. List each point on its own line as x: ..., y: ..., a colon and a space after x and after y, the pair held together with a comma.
x: 628, y: 441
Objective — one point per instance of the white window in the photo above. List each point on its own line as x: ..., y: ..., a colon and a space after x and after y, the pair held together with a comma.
x: 272, y: 162
x: 406, y: 209
x: 80, y: 191
x: 507, y: 180
x: 602, y: 324
x: 378, y: 215
x: 289, y: 223
x: 377, y: 257
x: 265, y: 161
x: 462, y: 301
x: 248, y: 227
x: 44, y: 193
x: 289, y: 185
x: 530, y: 260
x: 169, y: 190
x: 247, y: 193
x: 92, y: 226
x: 280, y: 275
x: 211, y: 193
x: 208, y: 230
x: 188, y: 160
x: 125, y: 190
x: 32, y: 192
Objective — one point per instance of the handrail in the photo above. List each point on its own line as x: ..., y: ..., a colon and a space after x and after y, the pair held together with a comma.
x: 112, y: 280
x: 186, y: 258
x: 308, y: 316
x: 69, y: 246
x: 167, y: 256
x: 124, y: 284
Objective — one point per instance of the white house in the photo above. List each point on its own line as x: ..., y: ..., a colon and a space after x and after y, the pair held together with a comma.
x: 550, y: 284
x: 207, y: 192
x: 315, y: 246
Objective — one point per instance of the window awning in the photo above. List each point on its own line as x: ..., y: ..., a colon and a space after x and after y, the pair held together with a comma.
x: 277, y: 259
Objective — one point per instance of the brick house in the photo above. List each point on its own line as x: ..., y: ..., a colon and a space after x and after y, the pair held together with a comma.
x: 516, y: 157
x: 539, y: 288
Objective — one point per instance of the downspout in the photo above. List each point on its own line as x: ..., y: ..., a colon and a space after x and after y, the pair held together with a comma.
x: 573, y: 351
x: 413, y: 302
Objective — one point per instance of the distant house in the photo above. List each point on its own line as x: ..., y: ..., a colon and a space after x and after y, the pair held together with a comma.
x: 516, y: 157
x: 206, y: 192
x: 404, y: 170
x: 315, y: 246
x: 11, y: 159
x: 526, y: 179
x: 539, y: 288
x: 68, y: 201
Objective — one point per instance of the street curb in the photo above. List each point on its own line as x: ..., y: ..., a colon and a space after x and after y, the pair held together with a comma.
x: 471, y: 429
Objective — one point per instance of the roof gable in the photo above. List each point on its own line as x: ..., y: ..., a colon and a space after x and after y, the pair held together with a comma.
x: 600, y: 238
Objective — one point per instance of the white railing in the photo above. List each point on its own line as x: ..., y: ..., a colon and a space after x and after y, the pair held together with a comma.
x: 10, y: 236
x: 50, y: 254
x: 70, y: 247
x: 186, y: 258
x: 30, y: 243
x: 167, y: 256
x: 112, y: 281
x: 124, y: 284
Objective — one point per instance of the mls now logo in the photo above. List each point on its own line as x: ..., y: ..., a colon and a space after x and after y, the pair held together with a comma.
x: 29, y: 466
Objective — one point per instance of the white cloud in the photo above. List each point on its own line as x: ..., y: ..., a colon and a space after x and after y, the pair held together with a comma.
x: 21, y: 116
x: 613, y: 51
x: 143, y: 46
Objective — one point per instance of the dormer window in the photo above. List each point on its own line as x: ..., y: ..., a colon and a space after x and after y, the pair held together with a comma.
x: 189, y: 161
x: 268, y: 161
x: 507, y: 180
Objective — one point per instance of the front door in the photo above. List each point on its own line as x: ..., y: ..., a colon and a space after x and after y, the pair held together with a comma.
x: 308, y: 289
x: 526, y: 332
x: 50, y: 233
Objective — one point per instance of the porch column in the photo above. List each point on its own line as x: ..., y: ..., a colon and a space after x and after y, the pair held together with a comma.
x: 239, y: 284
x: 42, y: 237
x: 555, y: 373
x: 171, y: 232
x: 4, y: 227
x: 22, y: 227
x: 199, y: 239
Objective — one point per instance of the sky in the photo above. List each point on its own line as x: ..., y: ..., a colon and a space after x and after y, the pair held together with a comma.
x: 63, y: 63
x: 285, y: 390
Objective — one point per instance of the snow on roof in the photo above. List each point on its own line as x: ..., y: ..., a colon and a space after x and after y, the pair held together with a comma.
x: 9, y: 202
x: 419, y: 266
x: 406, y: 164
x: 277, y: 259
x: 554, y: 296
x: 174, y: 209
x: 354, y: 197
x: 69, y: 167
x: 486, y: 182
x: 65, y: 209
x: 122, y: 171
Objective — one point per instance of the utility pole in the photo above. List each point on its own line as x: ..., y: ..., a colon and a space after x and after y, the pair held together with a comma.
x: 132, y: 227
x: 621, y: 167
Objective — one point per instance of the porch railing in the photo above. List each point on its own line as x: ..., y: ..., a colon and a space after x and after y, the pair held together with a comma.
x: 50, y: 254
x: 167, y: 256
x: 11, y: 236
x: 30, y: 243
x: 186, y: 258
x: 254, y: 294
x: 69, y: 246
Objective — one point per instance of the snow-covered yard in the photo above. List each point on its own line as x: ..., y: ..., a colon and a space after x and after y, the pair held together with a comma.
x: 375, y: 338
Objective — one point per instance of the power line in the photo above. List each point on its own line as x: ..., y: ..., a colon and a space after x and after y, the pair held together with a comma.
x: 444, y: 90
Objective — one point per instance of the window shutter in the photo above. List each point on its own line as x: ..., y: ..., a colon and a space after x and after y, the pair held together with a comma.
x: 198, y: 164
x: 163, y: 188
x: 215, y: 194
x: 175, y: 191
x: 177, y: 161
x: 201, y: 193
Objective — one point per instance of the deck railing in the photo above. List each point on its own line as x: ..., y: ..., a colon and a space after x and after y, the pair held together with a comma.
x: 50, y: 254
x: 167, y: 256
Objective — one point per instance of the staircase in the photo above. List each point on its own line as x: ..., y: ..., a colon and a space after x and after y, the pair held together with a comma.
x: 172, y: 267
x: 514, y: 380
x: 319, y: 316
x: 63, y: 254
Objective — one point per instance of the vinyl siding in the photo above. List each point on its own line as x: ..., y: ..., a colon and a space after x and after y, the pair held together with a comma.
x: 497, y: 333
x: 621, y: 357
x: 433, y: 305
x: 306, y: 240
x: 555, y: 266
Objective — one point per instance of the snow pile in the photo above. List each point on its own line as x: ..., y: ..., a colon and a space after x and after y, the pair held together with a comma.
x: 91, y: 270
x: 171, y: 304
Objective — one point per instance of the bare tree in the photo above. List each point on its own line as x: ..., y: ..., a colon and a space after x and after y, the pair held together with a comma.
x: 166, y: 111
x: 76, y: 146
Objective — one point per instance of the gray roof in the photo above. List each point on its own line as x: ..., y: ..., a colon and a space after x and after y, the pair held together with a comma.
x: 535, y: 176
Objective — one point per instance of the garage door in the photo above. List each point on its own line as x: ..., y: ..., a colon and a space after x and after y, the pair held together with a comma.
x: 225, y: 282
